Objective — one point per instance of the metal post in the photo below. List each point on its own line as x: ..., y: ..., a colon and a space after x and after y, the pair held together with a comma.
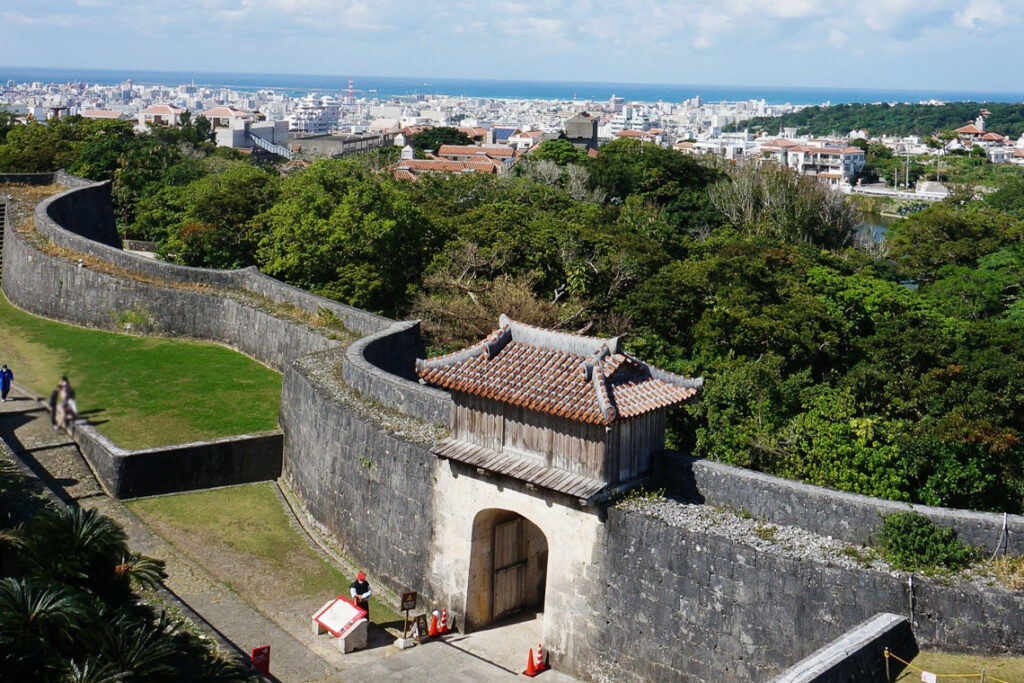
x: 982, y: 676
x: 888, y: 678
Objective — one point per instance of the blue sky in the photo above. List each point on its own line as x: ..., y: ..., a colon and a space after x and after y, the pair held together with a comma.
x: 920, y: 44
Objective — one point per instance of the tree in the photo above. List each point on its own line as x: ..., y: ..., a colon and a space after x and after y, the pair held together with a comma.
x: 8, y: 120
x: 346, y: 233
x: 949, y: 235
x: 562, y: 152
x: 770, y: 200
x: 214, y: 227
x: 433, y: 138
x: 100, y: 153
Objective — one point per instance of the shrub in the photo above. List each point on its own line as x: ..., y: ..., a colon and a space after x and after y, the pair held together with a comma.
x: 911, y: 542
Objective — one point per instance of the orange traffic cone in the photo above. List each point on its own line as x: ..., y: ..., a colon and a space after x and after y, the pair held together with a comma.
x: 432, y: 631
x: 531, y: 668
x: 542, y: 664
x: 444, y: 622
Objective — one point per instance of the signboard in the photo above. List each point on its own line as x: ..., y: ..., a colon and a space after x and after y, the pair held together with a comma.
x: 338, y: 616
x: 420, y: 628
x: 261, y: 659
x: 409, y: 600
x: 928, y: 677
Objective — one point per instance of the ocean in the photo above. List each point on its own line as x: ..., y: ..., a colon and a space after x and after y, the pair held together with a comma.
x: 297, y: 85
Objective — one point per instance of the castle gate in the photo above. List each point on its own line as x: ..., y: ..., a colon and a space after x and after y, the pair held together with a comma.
x: 507, y: 567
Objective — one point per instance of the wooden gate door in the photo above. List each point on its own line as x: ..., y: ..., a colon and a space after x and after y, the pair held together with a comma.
x: 509, y: 567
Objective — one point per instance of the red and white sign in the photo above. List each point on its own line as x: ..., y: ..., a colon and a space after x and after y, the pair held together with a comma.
x: 339, y: 616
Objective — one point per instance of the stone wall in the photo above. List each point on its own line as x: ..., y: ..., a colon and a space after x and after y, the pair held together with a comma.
x: 27, y: 178
x: 54, y: 288
x: 86, y: 212
x: 849, y: 516
x: 81, y: 220
x: 859, y: 654
x: 381, y: 366
x: 182, y: 467
x: 668, y: 604
x: 367, y: 487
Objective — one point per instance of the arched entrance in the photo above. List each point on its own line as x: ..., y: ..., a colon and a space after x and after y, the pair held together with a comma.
x: 507, y: 567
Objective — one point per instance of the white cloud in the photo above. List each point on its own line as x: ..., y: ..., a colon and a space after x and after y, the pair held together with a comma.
x: 837, y: 38
x: 710, y: 26
x: 979, y: 13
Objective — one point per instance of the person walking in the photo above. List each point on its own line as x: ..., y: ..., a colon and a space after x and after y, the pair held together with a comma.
x: 361, y: 593
x: 60, y: 412
x: 6, y: 377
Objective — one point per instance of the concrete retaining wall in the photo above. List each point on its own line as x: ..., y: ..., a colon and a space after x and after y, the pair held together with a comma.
x: 182, y: 467
x: 849, y: 516
x: 859, y: 655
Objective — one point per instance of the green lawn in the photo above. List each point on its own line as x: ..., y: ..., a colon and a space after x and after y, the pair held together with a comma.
x: 1010, y: 669
x: 142, y: 391
x: 241, y: 535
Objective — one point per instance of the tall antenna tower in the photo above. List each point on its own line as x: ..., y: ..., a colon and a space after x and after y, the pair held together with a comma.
x: 351, y: 91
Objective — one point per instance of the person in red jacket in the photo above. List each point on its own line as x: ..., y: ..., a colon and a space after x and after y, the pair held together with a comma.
x: 361, y: 593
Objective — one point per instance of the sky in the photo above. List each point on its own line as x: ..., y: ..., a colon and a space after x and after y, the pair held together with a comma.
x: 899, y: 44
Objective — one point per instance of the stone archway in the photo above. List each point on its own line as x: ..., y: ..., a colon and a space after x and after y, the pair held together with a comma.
x: 507, y: 567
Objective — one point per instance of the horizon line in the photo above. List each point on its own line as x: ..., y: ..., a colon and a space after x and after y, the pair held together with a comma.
x: 524, y: 81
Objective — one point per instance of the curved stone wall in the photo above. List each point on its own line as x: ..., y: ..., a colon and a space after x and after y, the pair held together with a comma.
x: 849, y: 516
x: 381, y: 366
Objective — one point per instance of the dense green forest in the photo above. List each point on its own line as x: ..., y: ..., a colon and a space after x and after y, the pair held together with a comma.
x: 896, y: 119
x: 891, y: 369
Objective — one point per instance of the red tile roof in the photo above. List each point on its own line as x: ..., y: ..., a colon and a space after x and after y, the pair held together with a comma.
x: 226, y: 113
x: 473, y: 150
x: 969, y: 129
x: 583, y: 379
x: 475, y: 165
x: 162, y: 110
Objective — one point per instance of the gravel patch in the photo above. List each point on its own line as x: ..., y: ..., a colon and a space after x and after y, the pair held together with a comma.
x: 324, y: 369
x: 783, y: 540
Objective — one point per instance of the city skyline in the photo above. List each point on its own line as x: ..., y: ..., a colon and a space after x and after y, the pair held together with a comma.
x: 798, y: 43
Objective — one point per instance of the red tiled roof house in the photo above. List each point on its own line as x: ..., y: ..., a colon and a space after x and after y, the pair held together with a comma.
x: 561, y: 412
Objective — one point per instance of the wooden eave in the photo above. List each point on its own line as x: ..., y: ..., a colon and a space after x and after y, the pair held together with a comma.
x: 522, y: 468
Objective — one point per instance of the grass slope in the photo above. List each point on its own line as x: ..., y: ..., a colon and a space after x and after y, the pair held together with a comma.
x: 1010, y: 669
x: 242, y: 535
x: 140, y: 391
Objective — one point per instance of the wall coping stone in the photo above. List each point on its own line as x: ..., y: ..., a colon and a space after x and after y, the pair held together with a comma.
x: 844, y: 659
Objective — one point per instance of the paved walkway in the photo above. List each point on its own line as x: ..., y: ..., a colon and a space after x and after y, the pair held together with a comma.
x: 233, y: 623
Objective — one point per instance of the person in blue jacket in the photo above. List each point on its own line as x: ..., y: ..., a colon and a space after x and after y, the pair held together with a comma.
x: 6, y: 377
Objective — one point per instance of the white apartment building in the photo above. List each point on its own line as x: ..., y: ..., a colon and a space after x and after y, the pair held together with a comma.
x: 833, y: 165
